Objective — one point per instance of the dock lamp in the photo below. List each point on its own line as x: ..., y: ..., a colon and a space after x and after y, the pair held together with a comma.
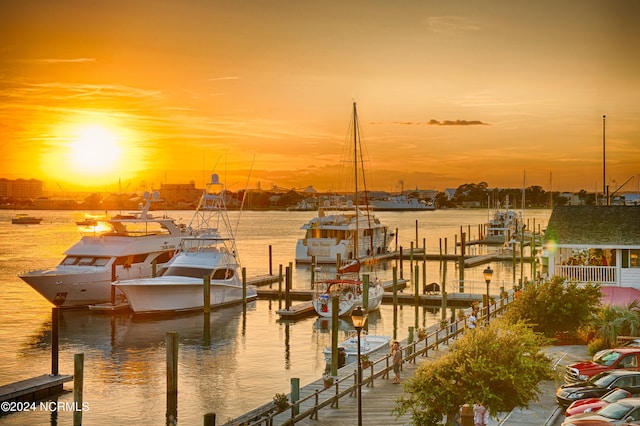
x: 359, y: 318
x: 488, y: 273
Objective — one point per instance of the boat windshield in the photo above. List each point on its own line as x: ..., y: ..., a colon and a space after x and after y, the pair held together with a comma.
x: 184, y: 271
x: 85, y: 261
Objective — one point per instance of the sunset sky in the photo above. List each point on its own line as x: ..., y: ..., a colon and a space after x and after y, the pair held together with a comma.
x: 93, y: 93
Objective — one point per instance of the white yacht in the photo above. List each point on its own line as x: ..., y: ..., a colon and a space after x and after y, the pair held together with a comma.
x: 123, y: 247
x: 210, y: 252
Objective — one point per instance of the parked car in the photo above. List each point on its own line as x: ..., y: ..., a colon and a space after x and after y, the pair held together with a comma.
x: 617, y: 413
x: 634, y: 343
x: 609, y: 359
x: 591, y: 405
x: 599, y: 385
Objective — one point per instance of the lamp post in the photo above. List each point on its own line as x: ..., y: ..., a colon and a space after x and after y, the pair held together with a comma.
x: 359, y: 318
x: 488, y: 273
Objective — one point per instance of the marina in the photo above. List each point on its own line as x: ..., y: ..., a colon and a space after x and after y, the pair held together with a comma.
x: 125, y: 354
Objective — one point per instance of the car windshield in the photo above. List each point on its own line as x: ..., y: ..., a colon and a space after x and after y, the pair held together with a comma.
x: 607, y: 358
x: 615, y: 411
x: 615, y: 395
x: 603, y: 379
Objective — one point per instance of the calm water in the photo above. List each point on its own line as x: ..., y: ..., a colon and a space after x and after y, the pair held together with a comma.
x: 249, y: 357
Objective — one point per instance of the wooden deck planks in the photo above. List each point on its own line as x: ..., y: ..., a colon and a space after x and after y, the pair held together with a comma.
x: 33, y: 388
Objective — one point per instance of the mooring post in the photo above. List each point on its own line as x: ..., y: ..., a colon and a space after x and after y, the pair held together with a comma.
x: 206, y: 293
x: 172, y: 377
x: 55, y: 320
x: 78, y: 379
x: 365, y: 292
x: 295, y: 394
x: 244, y: 289
x: 270, y: 261
x: 401, y: 262
x: 335, y: 322
x: 287, y: 286
x: 280, y: 287
x: 210, y: 419
x: 395, y: 302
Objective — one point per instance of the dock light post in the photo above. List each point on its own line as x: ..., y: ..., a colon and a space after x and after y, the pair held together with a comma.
x: 359, y: 318
x: 488, y: 273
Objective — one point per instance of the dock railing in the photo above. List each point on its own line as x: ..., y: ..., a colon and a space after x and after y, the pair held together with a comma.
x: 315, y: 396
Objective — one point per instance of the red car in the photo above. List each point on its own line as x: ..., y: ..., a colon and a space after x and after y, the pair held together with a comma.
x: 619, y: 358
x: 594, y: 404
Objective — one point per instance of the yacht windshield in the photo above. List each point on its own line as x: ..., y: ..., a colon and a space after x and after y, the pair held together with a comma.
x: 183, y: 271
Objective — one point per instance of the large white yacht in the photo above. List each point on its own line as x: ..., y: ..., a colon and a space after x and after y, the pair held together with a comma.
x: 123, y: 247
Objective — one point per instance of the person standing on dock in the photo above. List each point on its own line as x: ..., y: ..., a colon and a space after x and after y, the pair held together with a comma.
x: 471, y: 321
x: 397, y: 361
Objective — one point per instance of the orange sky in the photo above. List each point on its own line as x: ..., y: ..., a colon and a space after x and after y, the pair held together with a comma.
x: 93, y: 93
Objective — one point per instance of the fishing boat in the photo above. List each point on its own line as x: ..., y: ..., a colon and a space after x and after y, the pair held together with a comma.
x: 130, y: 246
x: 207, y: 257
x: 368, y: 344
x: 357, y: 241
x: 504, y: 225
x: 25, y: 219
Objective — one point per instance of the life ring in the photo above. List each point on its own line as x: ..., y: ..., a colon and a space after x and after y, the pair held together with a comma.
x: 349, y: 296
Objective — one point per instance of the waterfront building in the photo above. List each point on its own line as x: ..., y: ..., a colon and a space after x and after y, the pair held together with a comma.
x: 598, y: 244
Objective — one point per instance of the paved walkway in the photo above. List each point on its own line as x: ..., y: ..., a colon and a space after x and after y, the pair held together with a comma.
x: 379, y: 401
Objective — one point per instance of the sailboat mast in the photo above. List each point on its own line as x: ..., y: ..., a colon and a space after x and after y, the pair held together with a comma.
x: 355, y: 171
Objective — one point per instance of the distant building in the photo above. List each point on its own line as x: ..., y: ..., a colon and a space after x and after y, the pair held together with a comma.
x: 21, y: 188
x: 185, y: 194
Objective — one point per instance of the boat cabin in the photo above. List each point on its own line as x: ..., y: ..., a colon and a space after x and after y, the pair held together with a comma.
x: 594, y: 244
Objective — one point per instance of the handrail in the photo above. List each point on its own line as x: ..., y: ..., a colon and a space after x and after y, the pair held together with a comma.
x: 309, y: 405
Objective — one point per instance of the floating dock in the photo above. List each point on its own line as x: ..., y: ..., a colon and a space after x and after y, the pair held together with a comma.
x: 34, y: 388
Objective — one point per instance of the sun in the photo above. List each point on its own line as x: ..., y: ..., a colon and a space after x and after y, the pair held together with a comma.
x: 95, y: 150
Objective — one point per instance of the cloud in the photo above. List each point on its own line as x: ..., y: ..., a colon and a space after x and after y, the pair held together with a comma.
x: 57, y: 61
x: 450, y: 24
x: 433, y: 122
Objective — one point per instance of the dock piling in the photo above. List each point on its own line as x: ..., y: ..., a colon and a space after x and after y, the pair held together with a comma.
x: 78, y: 382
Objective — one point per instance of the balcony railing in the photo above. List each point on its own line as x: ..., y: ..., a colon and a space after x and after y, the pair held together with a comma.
x: 605, y: 275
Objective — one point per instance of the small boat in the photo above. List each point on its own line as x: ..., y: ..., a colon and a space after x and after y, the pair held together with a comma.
x: 368, y: 344
x: 208, y: 254
x: 116, y: 248
x: 401, y: 202
x: 87, y: 221
x: 349, y: 293
x: 25, y: 219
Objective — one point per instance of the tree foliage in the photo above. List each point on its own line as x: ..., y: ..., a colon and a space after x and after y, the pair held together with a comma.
x: 500, y: 365
x: 611, y: 321
x: 554, y: 306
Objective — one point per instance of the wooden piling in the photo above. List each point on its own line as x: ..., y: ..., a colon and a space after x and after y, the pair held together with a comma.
x: 55, y: 321
x: 206, y: 293
x: 172, y: 377
x: 78, y: 379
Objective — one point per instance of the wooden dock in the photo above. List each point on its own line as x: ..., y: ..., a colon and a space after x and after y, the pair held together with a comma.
x: 34, y: 388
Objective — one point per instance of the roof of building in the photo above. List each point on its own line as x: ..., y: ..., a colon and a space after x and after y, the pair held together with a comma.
x: 594, y: 225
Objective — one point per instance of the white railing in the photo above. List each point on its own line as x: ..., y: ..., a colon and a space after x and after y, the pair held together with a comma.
x: 594, y: 274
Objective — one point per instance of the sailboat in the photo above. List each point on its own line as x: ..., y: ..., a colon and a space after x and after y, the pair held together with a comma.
x: 348, y: 286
